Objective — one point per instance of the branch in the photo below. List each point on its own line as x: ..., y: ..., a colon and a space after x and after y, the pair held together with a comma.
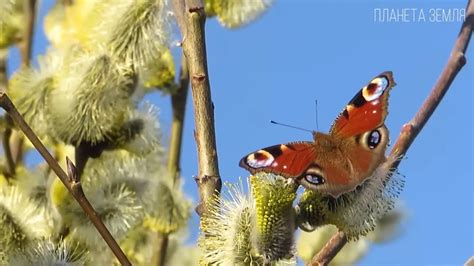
x: 178, y: 103
x: 330, y: 250
x: 3, y: 71
x: 455, y: 62
x: 161, y: 242
x: 411, y: 129
x: 12, y: 142
x: 194, y: 47
x: 10, y: 166
x: 71, y: 182
x: 30, y: 14
x: 9, y: 170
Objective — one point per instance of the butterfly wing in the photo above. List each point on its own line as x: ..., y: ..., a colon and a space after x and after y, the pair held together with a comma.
x: 289, y: 160
x: 367, y: 110
x: 360, y: 137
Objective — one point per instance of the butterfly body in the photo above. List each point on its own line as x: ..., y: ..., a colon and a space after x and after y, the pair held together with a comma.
x: 337, y: 162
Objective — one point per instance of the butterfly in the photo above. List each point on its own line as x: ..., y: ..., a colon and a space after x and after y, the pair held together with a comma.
x: 335, y: 163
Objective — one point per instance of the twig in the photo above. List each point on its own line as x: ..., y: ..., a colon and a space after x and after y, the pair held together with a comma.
x: 178, y: 102
x: 3, y: 72
x: 455, y: 62
x: 330, y: 250
x: 82, y: 153
x: 9, y: 170
x: 71, y: 182
x: 30, y: 14
x: 12, y: 141
x: 161, y: 243
x: 194, y: 48
x: 469, y: 262
x: 411, y: 129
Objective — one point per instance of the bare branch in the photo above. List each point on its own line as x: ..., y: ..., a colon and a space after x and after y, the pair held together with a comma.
x: 3, y: 72
x: 10, y: 166
x: 330, y: 250
x: 12, y: 142
x: 178, y: 103
x: 71, y: 181
x: 194, y: 48
x: 455, y: 62
x: 30, y: 15
x: 411, y: 129
x: 179, y: 7
x: 161, y: 242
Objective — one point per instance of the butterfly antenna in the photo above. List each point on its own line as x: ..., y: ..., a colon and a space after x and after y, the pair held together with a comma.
x: 316, y: 111
x: 286, y: 125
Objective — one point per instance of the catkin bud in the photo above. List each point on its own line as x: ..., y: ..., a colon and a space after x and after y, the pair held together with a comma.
x: 356, y: 212
x: 236, y: 13
x: 255, y: 228
x: 91, y: 99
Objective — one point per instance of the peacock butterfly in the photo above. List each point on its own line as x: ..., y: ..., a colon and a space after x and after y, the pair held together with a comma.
x: 337, y: 162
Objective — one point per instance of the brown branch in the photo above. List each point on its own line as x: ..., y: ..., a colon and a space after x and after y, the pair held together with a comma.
x: 27, y: 45
x: 9, y: 170
x: 3, y: 72
x: 469, y: 262
x: 161, y: 243
x: 330, y: 250
x: 12, y: 140
x: 411, y: 129
x: 71, y: 182
x: 16, y: 140
x: 10, y: 167
x: 178, y: 103
x: 82, y: 154
x: 194, y: 48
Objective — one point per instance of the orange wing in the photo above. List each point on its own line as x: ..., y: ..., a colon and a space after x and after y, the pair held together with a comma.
x: 367, y: 110
x: 289, y: 160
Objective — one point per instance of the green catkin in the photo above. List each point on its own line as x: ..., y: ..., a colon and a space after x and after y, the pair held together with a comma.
x: 237, y: 13
x: 356, y: 213
x: 275, y: 217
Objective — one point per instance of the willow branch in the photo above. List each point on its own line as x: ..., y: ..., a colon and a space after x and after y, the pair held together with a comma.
x: 26, y: 47
x: 161, y: 242
x: 3, y: 72
x: 71, y: 182
x: 16, y: 140
x: 178, y: 103
x: 411, y: 129
x: 455, y: 62
x: 12, y: 141
x: 330, y: 250
x: 9, y: 170
x: 194, y: 48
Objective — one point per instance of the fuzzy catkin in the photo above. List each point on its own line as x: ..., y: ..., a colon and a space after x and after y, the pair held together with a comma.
x: 255, y: 228
x: 91, y: 100
x: 356, y: 212
x: 236, y: 13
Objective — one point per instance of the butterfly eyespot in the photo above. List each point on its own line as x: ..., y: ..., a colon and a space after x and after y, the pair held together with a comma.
x: 314, y: 179
x: 260, y: 159
x: 373, y: 139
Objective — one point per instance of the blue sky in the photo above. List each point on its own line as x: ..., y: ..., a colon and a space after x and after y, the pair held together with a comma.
x: 299, y: 51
